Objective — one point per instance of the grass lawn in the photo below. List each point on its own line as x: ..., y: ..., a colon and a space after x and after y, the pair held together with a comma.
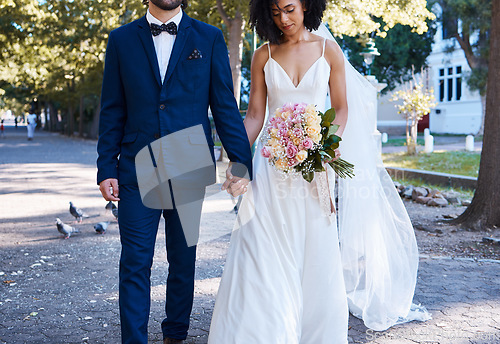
x: 454, y: 162
x: 402, y: 142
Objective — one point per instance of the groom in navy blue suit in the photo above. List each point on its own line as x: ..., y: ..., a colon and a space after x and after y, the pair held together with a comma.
x: 162, y: 73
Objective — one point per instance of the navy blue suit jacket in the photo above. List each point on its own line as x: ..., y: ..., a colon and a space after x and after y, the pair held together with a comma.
x: 136, y: 108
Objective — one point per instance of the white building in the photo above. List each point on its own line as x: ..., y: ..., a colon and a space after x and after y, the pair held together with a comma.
x: 459, y: 110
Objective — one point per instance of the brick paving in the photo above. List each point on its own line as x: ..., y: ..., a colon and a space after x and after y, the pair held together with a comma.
x: 66, y: 291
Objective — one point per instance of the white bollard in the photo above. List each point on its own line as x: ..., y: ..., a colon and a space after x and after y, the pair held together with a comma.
x: 427, y: 132
x: 469, y: 143
x: 385, y: 137
x: 429, y: 144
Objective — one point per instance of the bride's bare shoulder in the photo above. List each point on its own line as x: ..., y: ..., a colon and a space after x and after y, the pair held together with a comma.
x: 333, y: 53
x: 261, y: 55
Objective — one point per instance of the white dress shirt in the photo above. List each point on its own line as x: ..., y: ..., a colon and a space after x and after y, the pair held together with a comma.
x: 164, y: 42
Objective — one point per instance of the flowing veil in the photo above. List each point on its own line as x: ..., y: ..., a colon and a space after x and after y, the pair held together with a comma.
x: 378, y: 246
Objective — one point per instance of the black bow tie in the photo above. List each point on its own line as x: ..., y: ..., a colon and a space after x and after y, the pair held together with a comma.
x: 171, y: 28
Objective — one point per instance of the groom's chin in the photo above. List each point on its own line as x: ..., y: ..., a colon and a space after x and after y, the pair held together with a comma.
x: 166, y: 5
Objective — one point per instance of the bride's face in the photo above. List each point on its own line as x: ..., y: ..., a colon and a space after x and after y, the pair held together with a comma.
x: 288, y: 15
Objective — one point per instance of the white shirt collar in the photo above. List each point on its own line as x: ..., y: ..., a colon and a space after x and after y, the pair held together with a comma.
x: 153, y: 20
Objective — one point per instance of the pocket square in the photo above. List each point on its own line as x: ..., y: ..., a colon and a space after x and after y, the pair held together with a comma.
x: 196, y: 54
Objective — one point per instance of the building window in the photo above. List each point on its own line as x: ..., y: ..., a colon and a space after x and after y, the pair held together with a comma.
x: 450, y: 84
x: 441, y: 90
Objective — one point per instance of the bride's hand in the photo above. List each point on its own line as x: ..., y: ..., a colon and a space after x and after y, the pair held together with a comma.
x: 238, y: 187
x: 337, y: 155
x: 235, y: 186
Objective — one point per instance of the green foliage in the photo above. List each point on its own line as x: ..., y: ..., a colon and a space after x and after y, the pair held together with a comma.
x: 352, y: 17
x: 472, y: 35
x: 453, y: 162
x: 400, y: 51
x: 54, y: 50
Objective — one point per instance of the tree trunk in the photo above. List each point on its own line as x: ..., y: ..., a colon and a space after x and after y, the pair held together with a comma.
x: 94, y: 129
x: 414, y: 133
x: 46, y: 115
x: 483, y: 114
x: 484, y: 211
x: 80, y: 118
x: 71, y: 120
x: 235, y: 46
x: 53, y: 117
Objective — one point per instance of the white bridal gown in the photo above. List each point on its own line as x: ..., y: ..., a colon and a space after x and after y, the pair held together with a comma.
x: 283, y: 281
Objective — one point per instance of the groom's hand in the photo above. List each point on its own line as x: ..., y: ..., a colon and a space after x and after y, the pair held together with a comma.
x: 109, y: 189
x: 235, y: 186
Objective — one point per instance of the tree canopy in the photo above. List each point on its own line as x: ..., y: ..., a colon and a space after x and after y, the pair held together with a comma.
x: 53, y: 50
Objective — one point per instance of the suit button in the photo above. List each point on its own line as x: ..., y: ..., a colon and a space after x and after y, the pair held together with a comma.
x: 157, y: 136
x: 162, y: 107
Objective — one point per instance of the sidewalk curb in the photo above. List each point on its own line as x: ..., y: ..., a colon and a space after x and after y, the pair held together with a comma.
x: 436, y: 178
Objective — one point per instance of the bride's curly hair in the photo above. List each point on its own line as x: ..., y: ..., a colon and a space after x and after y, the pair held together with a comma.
x: 261, y: 17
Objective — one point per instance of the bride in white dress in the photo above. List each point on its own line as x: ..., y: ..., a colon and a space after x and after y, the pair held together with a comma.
x: 286, y: 279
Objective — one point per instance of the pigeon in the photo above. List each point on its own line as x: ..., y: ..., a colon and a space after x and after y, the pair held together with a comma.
x: 65, y: 229
x: 101, y: 227
x: 110, y: 206
x: 115, y: 213
x: 76, y: 212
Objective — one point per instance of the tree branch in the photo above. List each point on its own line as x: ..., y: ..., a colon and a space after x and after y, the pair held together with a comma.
x: 464, y: 42
x: 223, y: 13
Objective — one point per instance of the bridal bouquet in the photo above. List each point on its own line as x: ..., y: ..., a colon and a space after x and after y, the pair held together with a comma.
x: 299, y: 139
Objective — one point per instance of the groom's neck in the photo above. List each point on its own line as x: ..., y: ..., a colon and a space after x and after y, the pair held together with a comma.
x: 162, y: 15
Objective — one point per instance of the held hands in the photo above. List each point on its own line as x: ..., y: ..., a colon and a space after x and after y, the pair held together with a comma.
x: 109, y: 189
x: 235, y: 186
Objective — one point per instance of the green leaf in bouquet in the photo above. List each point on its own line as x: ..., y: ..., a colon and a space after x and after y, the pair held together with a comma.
x: 317, y: 165
x: 333, y: 129
x: 330, y: 143
x: 324, y: 135
x: 342, y: 168
x: 330, y: 151
x: 308, y: 176
x: 325, y: 156
x: 328, y: 117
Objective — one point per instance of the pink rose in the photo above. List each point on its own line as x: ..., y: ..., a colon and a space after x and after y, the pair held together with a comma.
x: 283, y: 132
x: 292, y: 162
x: 266, y: 152
x: 308, y: 143
x: 297, y: 132
x: 291, y: 151
x: 288, y: 107
x: 299, y: 108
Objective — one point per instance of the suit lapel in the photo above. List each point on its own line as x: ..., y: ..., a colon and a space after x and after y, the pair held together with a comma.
x: 147, y: 42
x: 180, y: 40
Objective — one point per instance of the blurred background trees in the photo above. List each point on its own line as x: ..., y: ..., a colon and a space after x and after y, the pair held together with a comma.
x: 52, y: 51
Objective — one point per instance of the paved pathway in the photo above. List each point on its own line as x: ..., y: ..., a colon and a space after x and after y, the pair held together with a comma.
x: 66, y: 291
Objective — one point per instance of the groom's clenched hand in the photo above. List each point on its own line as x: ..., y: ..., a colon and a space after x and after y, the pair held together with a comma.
x: 109, y: 189
x: 234, y: 185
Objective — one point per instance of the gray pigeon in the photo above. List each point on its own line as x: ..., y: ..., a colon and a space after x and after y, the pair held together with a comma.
x: 65, y: 229
x: 115, y: 213
x: 76, y: 212
x: 101, y: 227
x: 110, y: 206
